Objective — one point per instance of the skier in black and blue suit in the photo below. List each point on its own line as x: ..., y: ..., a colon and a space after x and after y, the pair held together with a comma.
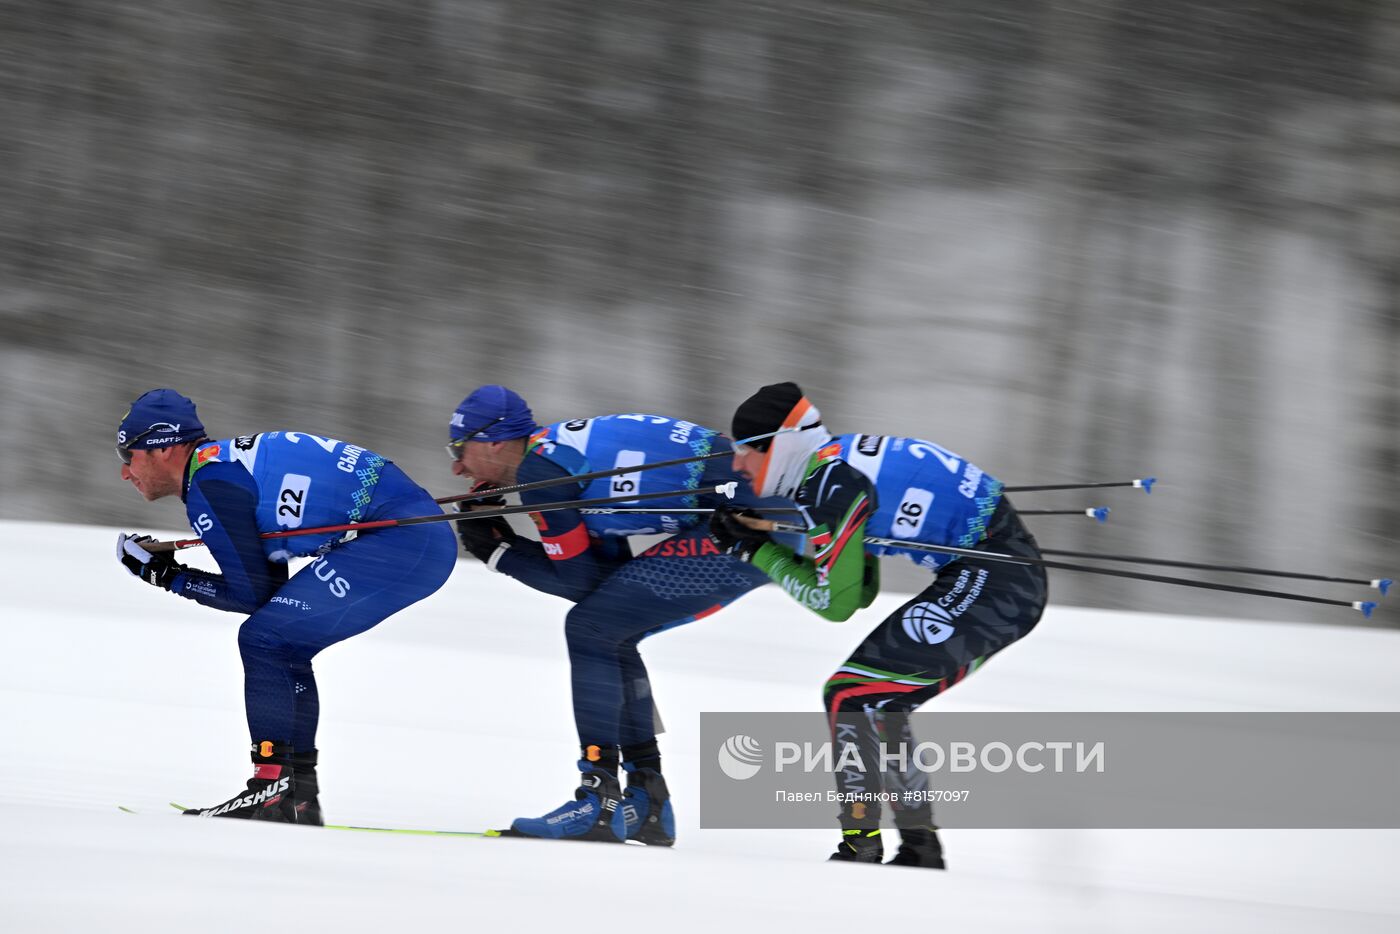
x: 619, y: 598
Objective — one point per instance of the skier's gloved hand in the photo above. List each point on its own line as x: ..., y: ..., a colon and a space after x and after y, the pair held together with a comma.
x: 481, y: 537
x: 732, y: 536
x: 156, y: 568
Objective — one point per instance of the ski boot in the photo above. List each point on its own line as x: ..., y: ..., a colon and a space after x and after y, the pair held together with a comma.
x: 859, y: 846
x: 269, y: 795
x: 592, y: 815
x: 305, y: 789
x: 646, y: 808
x: 918, y: 846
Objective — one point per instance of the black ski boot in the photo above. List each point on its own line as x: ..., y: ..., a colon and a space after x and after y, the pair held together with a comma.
x: 646, y: 808
x: 305, y: 789
x: 918, y: 846
x: 269, y: 795
x: 859, y: 846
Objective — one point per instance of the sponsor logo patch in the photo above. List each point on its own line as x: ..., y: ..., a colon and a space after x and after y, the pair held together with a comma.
x: 869, y: 445
x: 928, y: 623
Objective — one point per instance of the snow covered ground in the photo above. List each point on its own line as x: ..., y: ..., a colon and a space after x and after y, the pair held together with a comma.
x: 455, y: 715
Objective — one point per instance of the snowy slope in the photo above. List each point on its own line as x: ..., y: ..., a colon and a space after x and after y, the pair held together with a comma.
x: 455, y: 714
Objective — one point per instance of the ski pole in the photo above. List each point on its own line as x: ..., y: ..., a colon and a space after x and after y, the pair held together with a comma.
x: 599, y: 474
x: 1366, y: 607
x: 1141, y: 483
x: 1381, y: 584
x: 1093, y: 512
x: 724, y: 489
x: 623, y: 510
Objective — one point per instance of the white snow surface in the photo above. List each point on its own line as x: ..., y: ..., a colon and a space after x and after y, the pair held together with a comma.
x: 455, y: 714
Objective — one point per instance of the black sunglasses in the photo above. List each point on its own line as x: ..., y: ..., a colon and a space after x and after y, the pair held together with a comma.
x: 124, y: 451
x: 454, y: 448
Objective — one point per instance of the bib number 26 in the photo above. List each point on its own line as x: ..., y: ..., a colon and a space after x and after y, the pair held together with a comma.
x: 913, y: 509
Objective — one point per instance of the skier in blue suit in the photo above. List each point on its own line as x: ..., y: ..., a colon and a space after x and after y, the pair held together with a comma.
x: 619, y: 598
x: 236, y: 489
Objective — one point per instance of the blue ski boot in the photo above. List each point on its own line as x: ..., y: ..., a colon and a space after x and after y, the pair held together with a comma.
x: 646, y: 807
x: 592, y: 815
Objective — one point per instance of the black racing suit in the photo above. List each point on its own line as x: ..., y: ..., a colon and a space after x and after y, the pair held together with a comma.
x: 974, y: 609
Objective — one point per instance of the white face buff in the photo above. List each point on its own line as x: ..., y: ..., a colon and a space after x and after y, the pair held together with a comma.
x: 784, y: 468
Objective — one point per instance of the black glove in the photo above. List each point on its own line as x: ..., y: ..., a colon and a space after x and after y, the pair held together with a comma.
x: 156, y: 568
x: 732, y: 536
x: 481, y: 537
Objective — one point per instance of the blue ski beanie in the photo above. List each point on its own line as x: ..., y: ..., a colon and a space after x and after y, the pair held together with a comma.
x: 158, y: 419
x: 492, y: 413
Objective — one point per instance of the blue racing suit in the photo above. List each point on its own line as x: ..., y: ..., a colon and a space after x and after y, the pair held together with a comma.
x: 620, y: 599
x: 239, y: 488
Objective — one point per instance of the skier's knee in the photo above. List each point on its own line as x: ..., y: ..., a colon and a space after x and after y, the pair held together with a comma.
x: 832, y: 691
x: 257, y: 638
x: 585, y: 627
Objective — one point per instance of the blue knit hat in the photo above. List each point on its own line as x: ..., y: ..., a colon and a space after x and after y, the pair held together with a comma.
x: 492, y: 413
x: 158, y: 419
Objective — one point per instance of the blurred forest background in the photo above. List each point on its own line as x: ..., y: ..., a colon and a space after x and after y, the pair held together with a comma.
x: 1068, y: 239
